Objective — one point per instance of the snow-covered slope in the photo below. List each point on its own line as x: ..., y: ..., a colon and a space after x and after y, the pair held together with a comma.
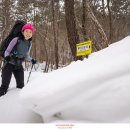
x: 94, y: 90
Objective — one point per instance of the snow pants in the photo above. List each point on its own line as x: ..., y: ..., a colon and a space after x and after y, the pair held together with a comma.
x: 7, y: 72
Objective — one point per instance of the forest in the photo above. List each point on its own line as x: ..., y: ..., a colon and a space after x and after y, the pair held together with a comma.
x: 61, y: 24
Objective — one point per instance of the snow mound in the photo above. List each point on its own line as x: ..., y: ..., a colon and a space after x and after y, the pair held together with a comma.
x: 94, y: 90
x: 11, y: 111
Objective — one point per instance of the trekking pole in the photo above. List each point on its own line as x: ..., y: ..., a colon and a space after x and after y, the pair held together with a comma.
x: 30, y: 73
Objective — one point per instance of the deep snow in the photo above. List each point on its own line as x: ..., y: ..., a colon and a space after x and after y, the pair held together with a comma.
x: 11, y: 110
x: 93, y: 90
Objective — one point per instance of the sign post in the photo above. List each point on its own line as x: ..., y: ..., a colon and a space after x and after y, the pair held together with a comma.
x: 84, y: 48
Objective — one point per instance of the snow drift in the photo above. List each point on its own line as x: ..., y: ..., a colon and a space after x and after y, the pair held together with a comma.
x: 94, y: 90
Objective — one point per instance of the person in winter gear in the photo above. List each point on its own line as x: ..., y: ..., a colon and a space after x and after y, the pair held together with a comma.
x: 17, y: 51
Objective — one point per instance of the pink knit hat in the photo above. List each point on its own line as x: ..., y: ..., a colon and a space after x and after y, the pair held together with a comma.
x: 28, y: 26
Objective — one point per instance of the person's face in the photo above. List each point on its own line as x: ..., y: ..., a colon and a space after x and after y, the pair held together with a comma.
x: 27, y: 34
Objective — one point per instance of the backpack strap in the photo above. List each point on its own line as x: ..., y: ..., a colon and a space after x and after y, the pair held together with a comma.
x: 14, y: 50
x: 10, y: 47
x: 30, y: 45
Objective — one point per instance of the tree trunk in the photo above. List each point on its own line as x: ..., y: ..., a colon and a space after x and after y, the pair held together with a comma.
x: 84, y: 20
x: 54, y: 35
x: 98, y: 25
x: 110, y: 21
x: 103, y: 7
x: 72, y: 33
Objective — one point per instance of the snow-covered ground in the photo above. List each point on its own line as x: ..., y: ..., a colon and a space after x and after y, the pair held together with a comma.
x: 11, y: 110
x: 89, y: 91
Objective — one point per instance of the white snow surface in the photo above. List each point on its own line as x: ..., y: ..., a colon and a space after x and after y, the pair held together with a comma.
x: 95, y: 90
x: 11, y: 109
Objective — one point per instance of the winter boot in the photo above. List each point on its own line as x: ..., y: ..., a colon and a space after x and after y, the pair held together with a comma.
x: 2, y: 92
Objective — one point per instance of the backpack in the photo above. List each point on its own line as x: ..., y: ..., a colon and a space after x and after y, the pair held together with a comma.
x: 15, y: 32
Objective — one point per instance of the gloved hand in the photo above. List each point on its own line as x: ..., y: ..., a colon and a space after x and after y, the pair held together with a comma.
x: 33, y: 61
x: 7, y: 58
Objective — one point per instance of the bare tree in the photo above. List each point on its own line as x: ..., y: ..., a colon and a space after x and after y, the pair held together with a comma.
x: 5, y: 17
x: 110, y: 21
x: 98, y: 25
x: 55, y: 33
x: 72, y: 33
x: 84, y: 20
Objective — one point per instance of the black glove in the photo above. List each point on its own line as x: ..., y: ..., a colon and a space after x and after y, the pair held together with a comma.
x: 33, y: 61
x: 7, y: 58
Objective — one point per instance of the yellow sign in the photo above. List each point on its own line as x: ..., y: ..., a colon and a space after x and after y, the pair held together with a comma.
x: 84, y: 48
